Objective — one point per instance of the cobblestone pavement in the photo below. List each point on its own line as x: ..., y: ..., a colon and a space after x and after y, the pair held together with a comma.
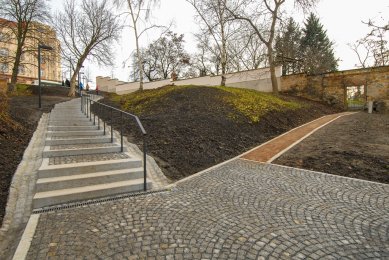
x: 240, y: 210
x: 86, y: 158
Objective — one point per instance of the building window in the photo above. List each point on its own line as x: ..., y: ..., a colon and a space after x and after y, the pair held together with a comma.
x: 4, y: 52
x: 42, y: 72
x: 21, y: 69
x: 4, y: 37
x: 3, y: 67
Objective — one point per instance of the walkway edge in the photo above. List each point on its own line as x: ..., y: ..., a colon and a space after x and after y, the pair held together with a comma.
x: 305, y: 136
x: 25, y: 241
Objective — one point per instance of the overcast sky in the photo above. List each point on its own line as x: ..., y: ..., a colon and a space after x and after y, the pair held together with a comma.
x: 341, y: 18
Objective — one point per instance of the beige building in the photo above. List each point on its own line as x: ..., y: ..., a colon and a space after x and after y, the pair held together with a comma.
x: 28, y: 69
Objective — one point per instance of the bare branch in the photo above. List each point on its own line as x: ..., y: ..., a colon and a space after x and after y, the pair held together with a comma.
x: 86, y: 31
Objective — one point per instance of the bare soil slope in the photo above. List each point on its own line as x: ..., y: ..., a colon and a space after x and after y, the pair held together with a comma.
x: 192, y: 128
x: 19, y: 116
x: 355, y: 146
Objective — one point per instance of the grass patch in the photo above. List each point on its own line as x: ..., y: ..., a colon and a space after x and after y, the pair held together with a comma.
x: 254, y: 104
x: 138, y: 102
x: 21, y: 90
x: 355, y: 102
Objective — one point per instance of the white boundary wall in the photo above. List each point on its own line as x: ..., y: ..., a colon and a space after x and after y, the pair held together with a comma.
x: 258, y: 79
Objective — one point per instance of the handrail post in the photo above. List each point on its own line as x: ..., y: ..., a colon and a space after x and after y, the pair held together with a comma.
x: 104, y: 125
x: 121, y: 131
x: 98, y: 118
x: 100, y: 109
x: 111, y: 125
x: 144, y: 163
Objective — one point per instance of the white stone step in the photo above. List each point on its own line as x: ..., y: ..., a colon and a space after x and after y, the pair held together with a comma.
x: 73, y: 181
x: 70, y: 123
x: 47, y: 153
x: 47, y: 171
x: 80, y: 140
x: 75, y: 133
x: 73, y: 128
x: 68, y: 118
x: 48, y: 198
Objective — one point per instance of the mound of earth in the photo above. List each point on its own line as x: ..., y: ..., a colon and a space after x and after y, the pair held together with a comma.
x: 192, y: 128
x: 19, y: 116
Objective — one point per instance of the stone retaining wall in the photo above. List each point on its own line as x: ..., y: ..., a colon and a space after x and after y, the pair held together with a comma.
x: 258, y: 79
x: 331, y: 87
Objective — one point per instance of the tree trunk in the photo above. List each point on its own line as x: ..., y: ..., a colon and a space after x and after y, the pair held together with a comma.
x: 223, y: 82
x: 72, y: 90
x: 273, y: 75
x: 140, y: 60
x: 223, y: 53
x: 15, y: 70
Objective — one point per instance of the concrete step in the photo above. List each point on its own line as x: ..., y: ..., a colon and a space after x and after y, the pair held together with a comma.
x: 73, y: 181
x: 74, y: 108
x: 68, y: 118
x: 48, y: 198
x: 114, y: 148
x: 70, y: 122
x: 48, y: 171
x: 80, y: 140
x: 72, y: 128
x: 75, y: 133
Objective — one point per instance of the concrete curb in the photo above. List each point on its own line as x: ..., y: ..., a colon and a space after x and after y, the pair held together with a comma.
x: 25, y: 241
x: 19, y: 204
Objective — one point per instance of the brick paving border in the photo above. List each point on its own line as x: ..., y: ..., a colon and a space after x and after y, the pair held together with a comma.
x: 274, y: 148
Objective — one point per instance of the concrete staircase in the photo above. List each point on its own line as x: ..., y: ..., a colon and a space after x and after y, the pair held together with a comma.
x: 81, y: 163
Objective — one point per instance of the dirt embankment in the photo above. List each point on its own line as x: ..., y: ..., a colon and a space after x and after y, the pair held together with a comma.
x: 193, y: 128
x: 19, y: 117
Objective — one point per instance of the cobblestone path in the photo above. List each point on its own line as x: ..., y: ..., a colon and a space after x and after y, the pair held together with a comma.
x: 240, y: 210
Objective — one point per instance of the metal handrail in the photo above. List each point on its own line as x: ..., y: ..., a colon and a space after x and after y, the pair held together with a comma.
x: 87, y: 100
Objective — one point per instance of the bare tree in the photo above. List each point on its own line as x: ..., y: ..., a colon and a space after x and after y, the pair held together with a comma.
x: 200, y: 60
x: 362, y: 49
x: 22, y: 14
x: 214, y: 19
x: 378, y: 43
x: 86, y: 31
x: 246, y: 52
x: 373, y: 49
x: 148, y: 67
x: 139, y: 11
x: 209, y: 56
x: 164, y: 56
x: 262, y: 16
